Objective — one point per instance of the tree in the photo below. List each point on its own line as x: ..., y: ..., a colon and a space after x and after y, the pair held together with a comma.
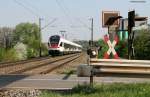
x: 142, y: 45
x: 6, y: 37
x: 28, y: 33
x: 24, y: 32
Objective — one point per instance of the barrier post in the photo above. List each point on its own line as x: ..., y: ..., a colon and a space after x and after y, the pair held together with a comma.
x: 91, y: 78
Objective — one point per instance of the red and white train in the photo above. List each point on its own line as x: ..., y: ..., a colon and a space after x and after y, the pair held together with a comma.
x: 60, y: 46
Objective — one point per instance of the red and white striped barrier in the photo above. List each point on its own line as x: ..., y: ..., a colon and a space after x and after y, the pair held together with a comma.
x: 111, y: 47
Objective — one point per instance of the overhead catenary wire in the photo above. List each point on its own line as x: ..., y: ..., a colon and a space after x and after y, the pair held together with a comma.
x: 137, y: 1
x: 85, y: 25
x: 30, y: 7
x: 37, y: 10
x: 33, y: 10
x: 25, y: 2
x: 27, y: 8
x: 49, y: 23
x: 67, y: 13
x: 64, y: 11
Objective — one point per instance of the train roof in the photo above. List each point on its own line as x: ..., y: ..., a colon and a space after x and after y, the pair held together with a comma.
x: 67, y: 41
x: 70, y: 42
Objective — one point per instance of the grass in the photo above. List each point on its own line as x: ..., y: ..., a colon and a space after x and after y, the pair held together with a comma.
x: 105, y: 90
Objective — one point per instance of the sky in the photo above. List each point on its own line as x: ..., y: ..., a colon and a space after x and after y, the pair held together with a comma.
x: 72, y: 16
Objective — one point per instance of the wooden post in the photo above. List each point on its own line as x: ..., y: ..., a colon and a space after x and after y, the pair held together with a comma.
x: 91, y: 78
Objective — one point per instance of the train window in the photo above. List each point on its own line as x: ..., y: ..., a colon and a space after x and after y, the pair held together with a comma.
x: 67, y: 45
x: 61, y: 44
x: 54, y: 39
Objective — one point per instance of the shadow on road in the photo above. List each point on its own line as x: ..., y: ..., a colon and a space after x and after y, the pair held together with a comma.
x: 5, y: 80
x: 68, y: 74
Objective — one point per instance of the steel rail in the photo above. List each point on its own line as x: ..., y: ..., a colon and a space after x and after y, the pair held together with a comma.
x: 7, y: 64
x: 39, y: 66
x: 59, y: 65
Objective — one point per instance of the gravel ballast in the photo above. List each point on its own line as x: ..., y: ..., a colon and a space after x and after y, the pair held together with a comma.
x: 20, y: 93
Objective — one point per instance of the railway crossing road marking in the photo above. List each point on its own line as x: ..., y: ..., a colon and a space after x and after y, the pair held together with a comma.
x: 111, y: 47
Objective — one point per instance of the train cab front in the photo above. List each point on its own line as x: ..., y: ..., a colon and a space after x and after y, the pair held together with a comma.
x: 54, y: 45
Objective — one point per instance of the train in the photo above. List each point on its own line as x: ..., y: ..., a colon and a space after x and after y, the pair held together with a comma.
x: 58, y: 45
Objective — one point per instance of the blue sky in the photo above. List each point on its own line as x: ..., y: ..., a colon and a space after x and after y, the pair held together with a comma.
x: 73, y: 16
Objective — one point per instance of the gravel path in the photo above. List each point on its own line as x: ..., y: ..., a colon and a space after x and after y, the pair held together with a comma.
x: 20, y: 93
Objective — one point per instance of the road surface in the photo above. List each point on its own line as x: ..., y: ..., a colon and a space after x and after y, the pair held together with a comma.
x: 57, y: 82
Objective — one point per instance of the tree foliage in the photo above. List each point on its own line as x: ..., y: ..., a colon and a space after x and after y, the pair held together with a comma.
x: 122, y: 49
x: 28, y: 34
x: 142, y: 45
x: 103, y: 49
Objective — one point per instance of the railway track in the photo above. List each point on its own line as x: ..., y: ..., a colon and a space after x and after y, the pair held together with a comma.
x: 54, y: 67
x: 31, y: 67
x: 7, y: 64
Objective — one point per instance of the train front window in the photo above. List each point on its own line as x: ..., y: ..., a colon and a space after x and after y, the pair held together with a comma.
x: 54, y: 39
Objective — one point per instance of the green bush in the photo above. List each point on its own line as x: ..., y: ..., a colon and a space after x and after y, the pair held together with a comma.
x: 10, y: 55
x: 2, y: 52
x: 122, y: 49
x: 44, y: 50
x: 142, y: 45
x: 103, y: 49
x: 34, y: 51
x: 31, y: 52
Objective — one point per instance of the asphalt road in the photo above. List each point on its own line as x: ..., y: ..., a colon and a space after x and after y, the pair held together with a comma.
x: 57, y: 82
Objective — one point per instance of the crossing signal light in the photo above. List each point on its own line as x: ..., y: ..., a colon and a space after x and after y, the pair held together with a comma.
x: 131, y: 19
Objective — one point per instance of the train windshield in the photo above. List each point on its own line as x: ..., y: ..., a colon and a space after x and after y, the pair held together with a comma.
x: 54, y: 39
